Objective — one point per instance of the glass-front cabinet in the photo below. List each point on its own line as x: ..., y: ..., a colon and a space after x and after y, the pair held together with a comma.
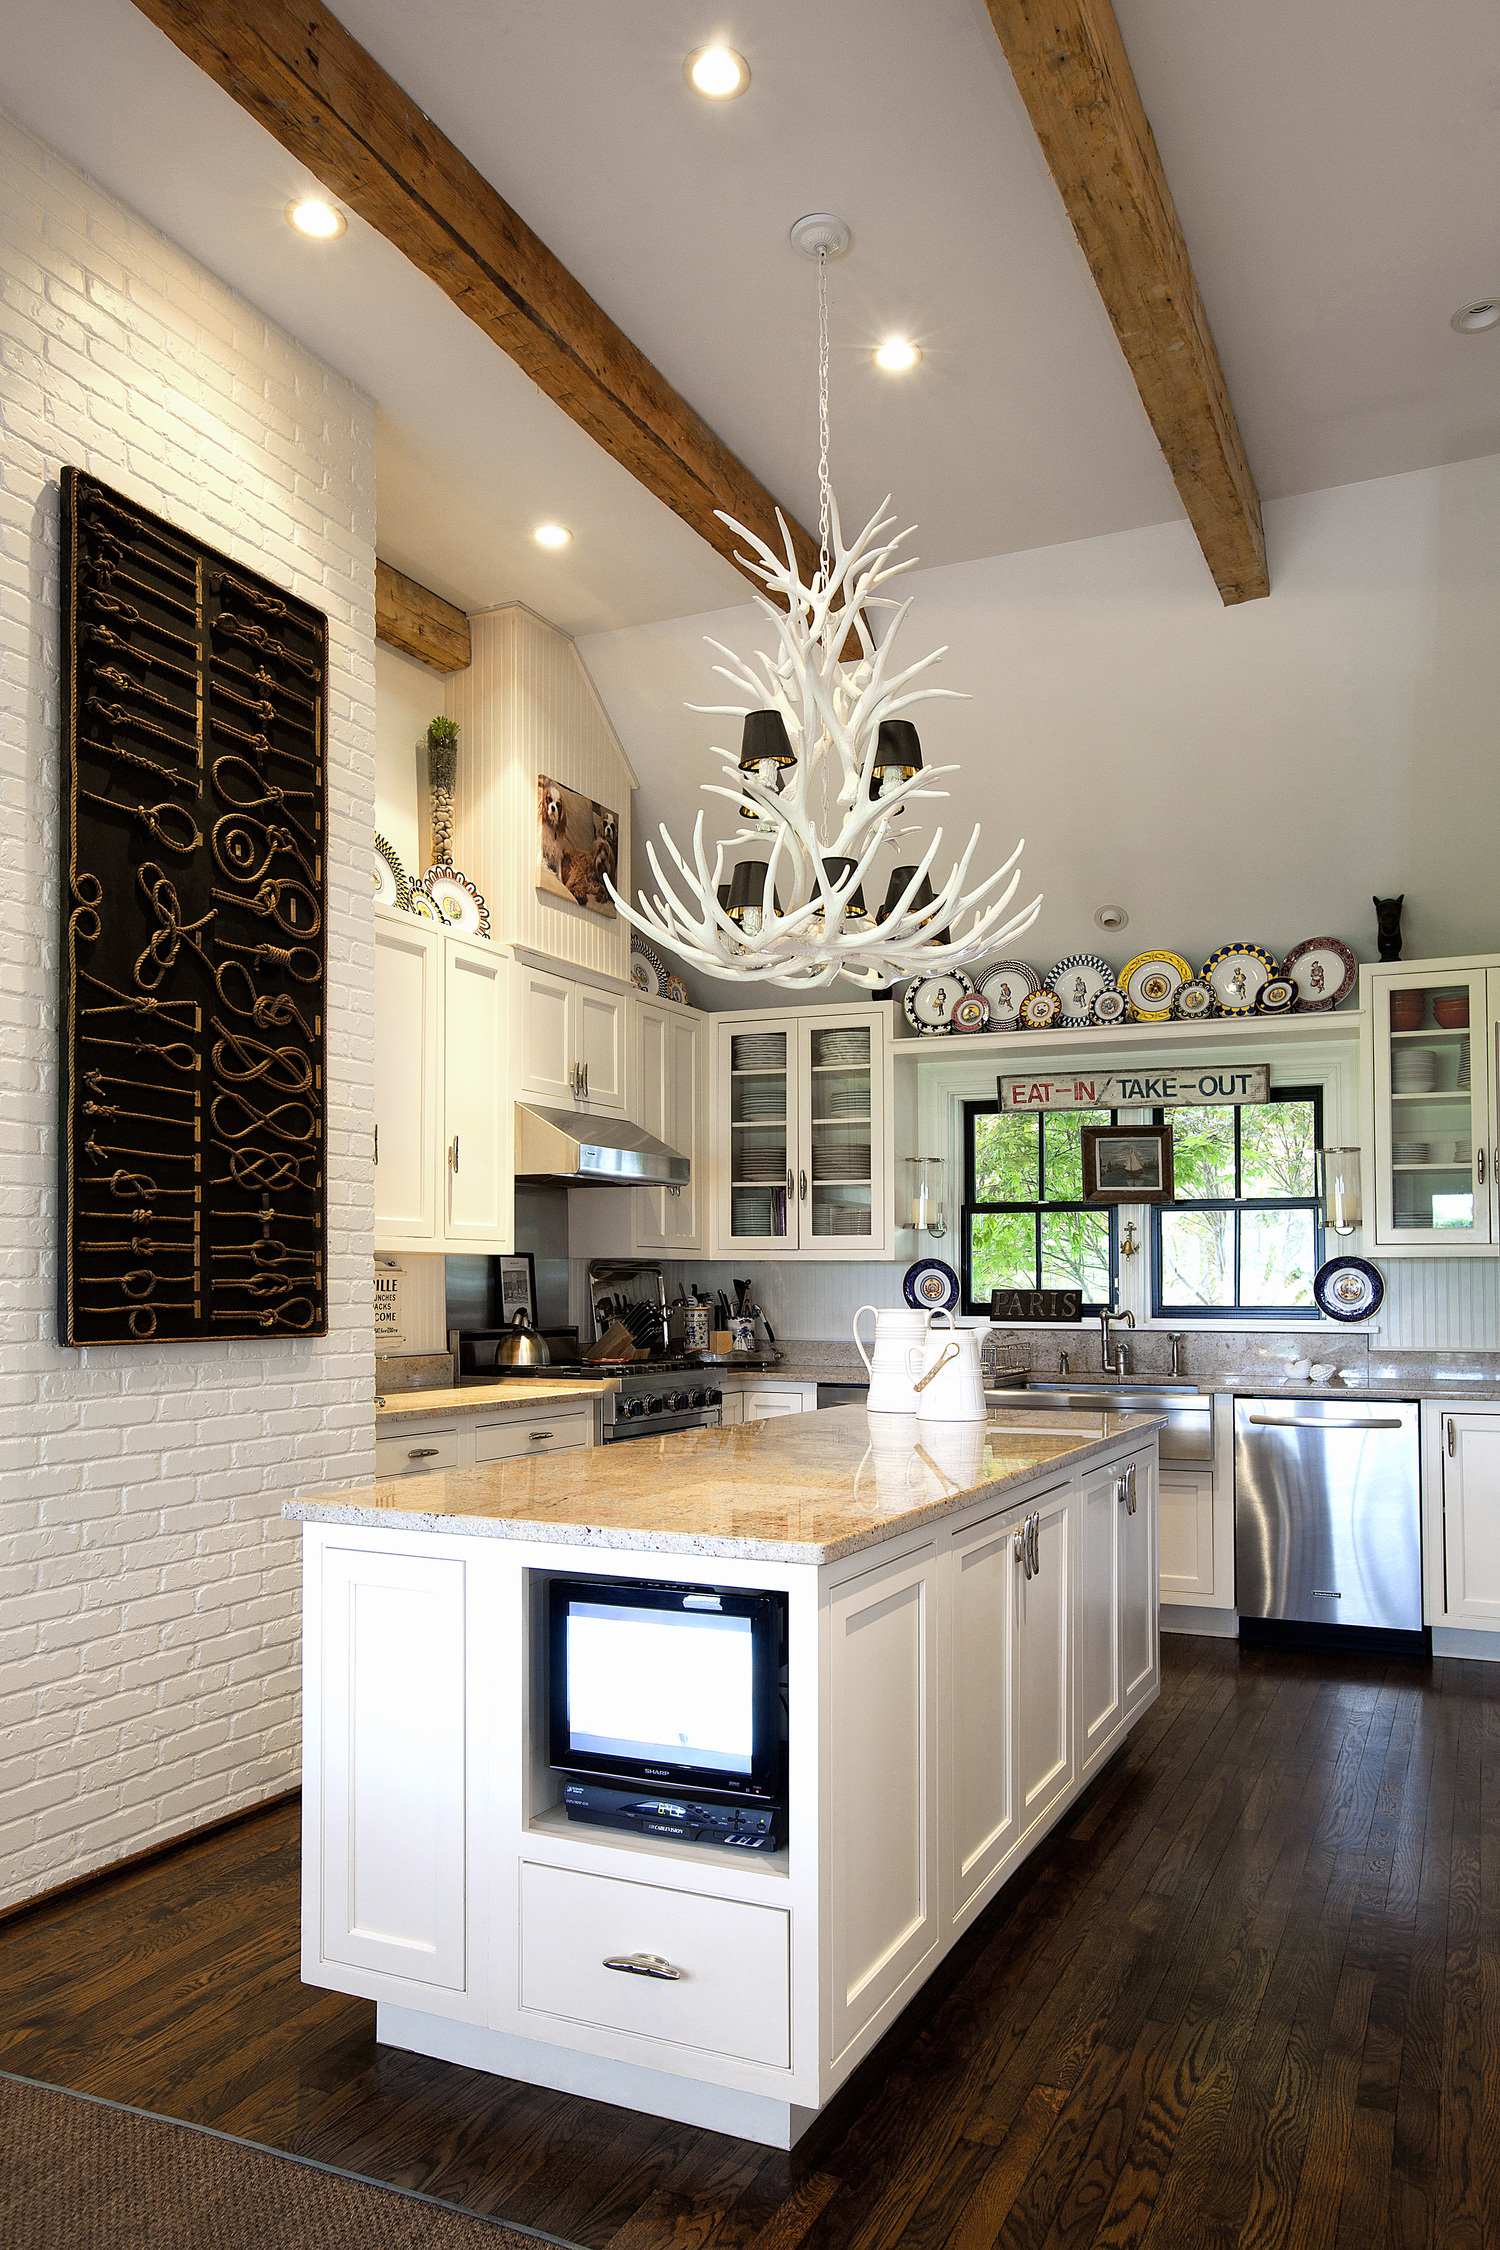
x: 1433, y: 1105
x: 802, y: 1162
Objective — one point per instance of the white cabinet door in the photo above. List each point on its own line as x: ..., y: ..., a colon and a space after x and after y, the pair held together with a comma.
x: 653, y: 1109
x: 1101, y: 1699
x: 882, y: 1789
x: 545, y: 1037
x: 391, y: 1772
x: 599, y: 1020
x: 802, y: 1157
x: 1045, y: 1757
x: 732, y: 1408
x: 1471, y: 1517
x: 753, y: 1154
x: 684, y: 1207
x: 1187, y: 1536
x: 981, y: 1828
x: 1140, y: 1643
x: 408, y: 1055
x: 1433, y: 1105
x: 479, y: 1145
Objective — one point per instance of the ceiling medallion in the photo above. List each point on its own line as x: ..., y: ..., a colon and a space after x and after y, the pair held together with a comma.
x: 827, y: 770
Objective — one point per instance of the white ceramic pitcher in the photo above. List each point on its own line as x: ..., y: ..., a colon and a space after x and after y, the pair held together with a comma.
x: 945, y: 1373
x: 896, y: 1330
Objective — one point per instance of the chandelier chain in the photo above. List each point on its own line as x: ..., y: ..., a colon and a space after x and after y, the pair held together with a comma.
x: 825, y: 492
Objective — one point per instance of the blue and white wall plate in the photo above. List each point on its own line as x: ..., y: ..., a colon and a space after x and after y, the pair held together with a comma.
x: 1193, y: 1001
x: 1348, y: 1289
x: 1076, y: 981
x: 928, y: 1002
x: 1109, y: 1006
x: 1235, y: 975
x: 648, y: 971
x: 1005, y: 984
x: 1277, y: 997
x: 389, y: 876
x: 930, y: 1286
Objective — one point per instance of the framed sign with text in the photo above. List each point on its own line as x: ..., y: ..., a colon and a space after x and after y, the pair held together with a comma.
x: 1036, y: 1304
x: 1173, y: 1086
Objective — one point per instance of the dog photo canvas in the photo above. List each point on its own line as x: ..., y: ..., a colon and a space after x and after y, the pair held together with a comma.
x: 578, y: 845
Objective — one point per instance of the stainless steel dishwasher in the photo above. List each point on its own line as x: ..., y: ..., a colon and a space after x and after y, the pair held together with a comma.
x: 1328, y: 1520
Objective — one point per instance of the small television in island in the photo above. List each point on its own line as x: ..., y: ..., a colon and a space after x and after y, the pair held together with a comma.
x: 666, y: 1708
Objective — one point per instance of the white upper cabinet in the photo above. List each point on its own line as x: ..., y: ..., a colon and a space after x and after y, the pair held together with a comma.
x: 444, y: 1139
x: 801, y: 1160
x: 1431, y: 1107
x: 571, y: 1042
x: 667, y: 1074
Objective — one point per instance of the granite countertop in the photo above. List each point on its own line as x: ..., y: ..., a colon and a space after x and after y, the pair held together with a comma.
x: 798, y: 1490
x: 515, y: 1396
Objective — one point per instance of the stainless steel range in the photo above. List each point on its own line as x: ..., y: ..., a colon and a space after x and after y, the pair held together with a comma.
x: 657, y: 1394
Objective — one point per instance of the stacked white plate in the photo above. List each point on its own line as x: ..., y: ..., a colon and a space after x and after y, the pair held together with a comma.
x: 1414, y: 1070
x: 1410, y: 1152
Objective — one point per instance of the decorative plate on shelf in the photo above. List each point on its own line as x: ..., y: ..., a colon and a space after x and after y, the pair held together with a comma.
x: 1005, y: 984
x: 425, y: 907
x: 1235, y: 975
x: 972, y: 1013
x: 459, y: 905
x: 1076, y: 980
x: 1191, y: 1002
x: 1348, y: 1289
x: 1324, y: 971
x: 389, y: 876
x: 1276, y: 997
x: 930, y: 1286
x: 1109, y: 1006
x: 677, y: 990
x: 1151, y: 982
x: 648, y: 971
x: 1040, y: 1011
x: 929, y: 1002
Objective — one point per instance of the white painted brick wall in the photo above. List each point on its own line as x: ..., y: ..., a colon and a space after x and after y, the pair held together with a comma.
x: 149, y: 1632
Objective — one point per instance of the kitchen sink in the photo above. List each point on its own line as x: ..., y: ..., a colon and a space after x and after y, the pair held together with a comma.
x: 1188, y: 1436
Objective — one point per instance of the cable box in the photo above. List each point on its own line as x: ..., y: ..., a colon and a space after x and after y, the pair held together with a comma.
x: 745, y: 1828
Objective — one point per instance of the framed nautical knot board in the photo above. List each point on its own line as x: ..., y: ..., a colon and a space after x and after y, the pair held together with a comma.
x: 194, y: 824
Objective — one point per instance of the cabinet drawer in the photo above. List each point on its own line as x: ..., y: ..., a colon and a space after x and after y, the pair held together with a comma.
x: 731, y: 1998
x: 530, y: 1433
x: 406, y: 1452
x: 759, y: 1406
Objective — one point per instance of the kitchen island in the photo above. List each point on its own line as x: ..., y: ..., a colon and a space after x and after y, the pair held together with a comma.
x: 971, y: 1632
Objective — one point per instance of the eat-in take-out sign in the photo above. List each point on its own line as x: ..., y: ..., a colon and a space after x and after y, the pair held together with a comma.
x: 1208, y: 1087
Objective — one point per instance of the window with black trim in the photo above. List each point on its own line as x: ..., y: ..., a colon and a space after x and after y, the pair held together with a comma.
x: 1244, y: 1233
x: 1025, y: 1223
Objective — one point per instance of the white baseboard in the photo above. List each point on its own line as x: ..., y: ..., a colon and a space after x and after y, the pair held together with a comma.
x: 686, y: 2101
x: 1218, y: 1624
x: 1465, y: 1640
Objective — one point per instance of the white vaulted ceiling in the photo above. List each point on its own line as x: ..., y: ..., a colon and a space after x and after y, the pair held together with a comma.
x: 1333, y: 163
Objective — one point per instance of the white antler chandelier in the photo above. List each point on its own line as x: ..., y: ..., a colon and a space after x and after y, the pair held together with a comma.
x: 824, y: 744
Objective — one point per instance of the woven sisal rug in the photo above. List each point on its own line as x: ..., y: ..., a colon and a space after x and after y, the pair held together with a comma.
x: 77, y: 2173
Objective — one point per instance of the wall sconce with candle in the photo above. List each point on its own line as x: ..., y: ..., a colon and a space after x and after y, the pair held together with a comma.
x: 925, y: 1213
x: 1341, y: 1189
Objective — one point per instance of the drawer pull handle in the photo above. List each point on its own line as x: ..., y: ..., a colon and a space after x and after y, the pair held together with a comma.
x: 538, y: 1435
x: 422, y: 1452
x: 1307, y: 1422
x: 644, y: 1965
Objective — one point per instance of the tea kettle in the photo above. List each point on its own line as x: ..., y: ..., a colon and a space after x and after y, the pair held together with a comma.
x: 522, y: 1345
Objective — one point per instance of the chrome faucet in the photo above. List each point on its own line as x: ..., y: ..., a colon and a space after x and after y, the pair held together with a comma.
x: 1176, y: 1342
x: 1124, y: 1319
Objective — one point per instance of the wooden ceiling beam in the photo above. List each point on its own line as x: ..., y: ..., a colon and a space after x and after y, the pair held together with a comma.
x: 419, y: 622
x: 1074, y: 76
x: 302, y: 76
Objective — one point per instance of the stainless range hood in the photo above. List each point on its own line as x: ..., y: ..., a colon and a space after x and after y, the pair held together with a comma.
x: 574, y: 1150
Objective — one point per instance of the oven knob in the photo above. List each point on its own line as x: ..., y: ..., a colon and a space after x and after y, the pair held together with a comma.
x: 630, y: 1407
x: 657, y: 1403
x: 713, y: 1398
x: 701, y: 1398
x: 679, y: 1402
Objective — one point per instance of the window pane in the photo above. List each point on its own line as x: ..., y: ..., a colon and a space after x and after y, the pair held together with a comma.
x: 1277, y: 1257
x: 1277, y: 1151
x: 1202, y: 1155
x: 1075, y: 1253
x: 1064, y: 1153
x: 1002, y: 1252
x: 1197, y: 1259
x: 1005, y: 1160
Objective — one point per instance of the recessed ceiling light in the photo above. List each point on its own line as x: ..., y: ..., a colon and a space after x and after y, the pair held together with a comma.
x: 717, y: 73
x: 1473, y: 320
x: 551, y: 535
x: 317, y: 218
x: 896, y: 355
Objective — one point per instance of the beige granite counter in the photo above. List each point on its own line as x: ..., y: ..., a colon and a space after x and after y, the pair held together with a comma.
x: 806, y: 1489
x: 512, y: 1397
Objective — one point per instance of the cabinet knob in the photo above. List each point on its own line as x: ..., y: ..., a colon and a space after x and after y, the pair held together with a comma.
x: 644, y: 1965
x: 538, y: 1435
x: 421, y: 1453
x: 1452, y: 1441
x: 453, y: 1156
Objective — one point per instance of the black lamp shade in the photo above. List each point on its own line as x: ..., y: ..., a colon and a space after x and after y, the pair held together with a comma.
x: 722, y: 895
x: 747, y: 888
x: 900, y: 877
x: 765, y: 736
x: 898, y: 745
x: 837, y: 871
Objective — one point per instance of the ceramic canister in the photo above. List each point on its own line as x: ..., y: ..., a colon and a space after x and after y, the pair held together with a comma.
x: 896, y: 1330
x: 946, y: 1373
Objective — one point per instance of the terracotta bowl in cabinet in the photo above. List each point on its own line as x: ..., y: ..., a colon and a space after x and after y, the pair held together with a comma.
x: 1452, y: 1013
x: 1407, y: 1010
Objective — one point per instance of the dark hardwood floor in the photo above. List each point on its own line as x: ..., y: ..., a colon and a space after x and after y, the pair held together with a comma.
x: 1250, y: 1993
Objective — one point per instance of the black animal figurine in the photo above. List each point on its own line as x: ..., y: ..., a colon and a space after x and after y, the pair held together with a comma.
x: 1388, y: 926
